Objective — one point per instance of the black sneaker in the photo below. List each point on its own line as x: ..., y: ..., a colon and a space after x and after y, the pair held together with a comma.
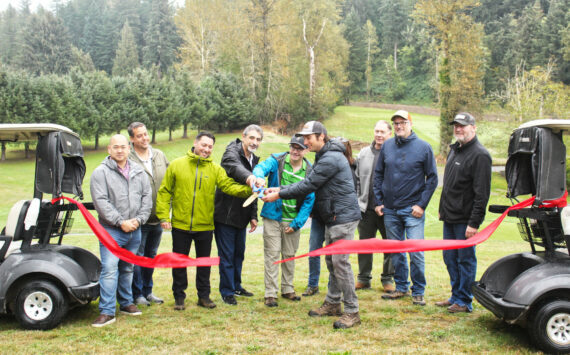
x: 243, y: 292
x: 231, y: 300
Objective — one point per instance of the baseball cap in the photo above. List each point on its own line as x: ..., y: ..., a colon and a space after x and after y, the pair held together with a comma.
x: 402, y: 114
x: 298, y: 140
x: 464, y: 119
x: 312, y: 127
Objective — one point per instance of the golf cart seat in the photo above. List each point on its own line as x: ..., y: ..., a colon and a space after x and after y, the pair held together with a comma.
x: 14, y: 229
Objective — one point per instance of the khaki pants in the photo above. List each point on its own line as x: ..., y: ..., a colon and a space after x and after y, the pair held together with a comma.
x: 278, y: 245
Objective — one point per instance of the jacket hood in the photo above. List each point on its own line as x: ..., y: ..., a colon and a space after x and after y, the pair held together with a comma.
x: 133, y: 167
x: 411, y: 137
x: 333, y: 145
x: 192, y: 156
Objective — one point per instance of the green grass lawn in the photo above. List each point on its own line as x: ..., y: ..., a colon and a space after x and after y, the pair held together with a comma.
x: 387, y: 326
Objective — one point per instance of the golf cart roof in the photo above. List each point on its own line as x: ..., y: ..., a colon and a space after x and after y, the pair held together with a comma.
x: 554, y: 124
x: 29, y: 131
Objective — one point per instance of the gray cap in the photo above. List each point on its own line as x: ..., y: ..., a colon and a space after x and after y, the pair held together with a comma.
x: 312, y: 127
x: 298, y: 140
x: 464, y: 119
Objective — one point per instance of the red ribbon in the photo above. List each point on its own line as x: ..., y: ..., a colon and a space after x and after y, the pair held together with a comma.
x: 373, y: 245
x: 165, y: 260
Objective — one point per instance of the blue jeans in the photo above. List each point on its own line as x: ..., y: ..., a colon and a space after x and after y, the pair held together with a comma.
x: 316, y: 240
x: 231, y: 250
x: 401, y: 225
x: 461, y: 266
x: 142, y: 276
x: 116, y: 275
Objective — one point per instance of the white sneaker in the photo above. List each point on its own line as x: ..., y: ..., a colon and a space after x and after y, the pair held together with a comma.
x: 153, y: 299
x: 142, y: 301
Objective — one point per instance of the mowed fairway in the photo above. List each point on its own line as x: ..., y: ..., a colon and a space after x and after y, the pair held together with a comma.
x: 250, y: 327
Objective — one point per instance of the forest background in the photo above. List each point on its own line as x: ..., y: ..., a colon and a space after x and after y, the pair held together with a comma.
x: 94, y: 65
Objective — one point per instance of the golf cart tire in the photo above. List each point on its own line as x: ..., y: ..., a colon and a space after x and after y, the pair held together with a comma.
x: 40, y: 305
x: 549, y: 327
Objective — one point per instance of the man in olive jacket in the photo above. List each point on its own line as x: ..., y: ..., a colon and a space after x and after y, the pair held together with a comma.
x: 189, y: 186
x: 154, y: 163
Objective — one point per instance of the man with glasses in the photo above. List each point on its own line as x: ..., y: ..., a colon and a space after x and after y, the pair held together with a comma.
x: 405, y: 179
x: 283, y: 219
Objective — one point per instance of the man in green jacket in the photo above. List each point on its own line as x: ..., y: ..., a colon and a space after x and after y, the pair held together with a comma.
x: 189, y: 186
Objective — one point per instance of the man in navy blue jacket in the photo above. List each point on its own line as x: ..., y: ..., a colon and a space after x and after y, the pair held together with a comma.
x: 405, y: 179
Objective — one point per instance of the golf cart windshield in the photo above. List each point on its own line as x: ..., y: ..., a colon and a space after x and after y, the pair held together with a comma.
x: 537, y: 160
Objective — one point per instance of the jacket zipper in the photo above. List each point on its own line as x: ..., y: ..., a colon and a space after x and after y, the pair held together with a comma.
x: 194, y: 195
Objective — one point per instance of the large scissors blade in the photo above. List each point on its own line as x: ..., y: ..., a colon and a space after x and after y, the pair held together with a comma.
x: 250, y: 199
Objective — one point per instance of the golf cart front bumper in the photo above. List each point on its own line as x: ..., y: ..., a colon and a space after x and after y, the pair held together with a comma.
x: 507, y: 311
x: 85, y: 293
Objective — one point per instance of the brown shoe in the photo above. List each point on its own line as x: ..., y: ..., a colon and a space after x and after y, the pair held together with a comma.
x: 395, y: 295
x: 271, y: 302
x: 418, y: 300
x: 131, y: 310
x: 206, y: 303
x: 361, y: 286
x: 347, y: 320
x: 388, y: 287
x: 103, y: 320
x: 327, y: 309
x: 291, y: 296
x: 445, y: 303
x: 179, y: 304
x: 310, y: 291
x: 455, y: 308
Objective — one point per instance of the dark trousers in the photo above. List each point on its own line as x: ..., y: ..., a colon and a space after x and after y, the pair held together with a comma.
x: 181, y: 243
x: 142, y: 276
x: 367, y: 228
x: 231, y: 250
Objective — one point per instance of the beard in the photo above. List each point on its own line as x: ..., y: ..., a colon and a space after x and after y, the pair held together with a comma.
x: 251, y: 149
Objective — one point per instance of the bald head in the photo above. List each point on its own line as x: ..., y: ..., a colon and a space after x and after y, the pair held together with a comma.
x: 119, y: 149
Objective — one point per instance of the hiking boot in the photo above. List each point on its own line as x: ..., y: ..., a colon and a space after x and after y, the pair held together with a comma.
x: 311, y: 291
x: 206, y: 303
x: 388, y: 287
x: 395, y: 295
x: 327, y: 309
x: 103, y: 320
x: 131, y: 310
x: 445, y: 303
x: 418, y: 300
x: 231, y: 300
x: 142, y: 301
x: 291, y: 296
x: 347, y: 320
x: 271, y: 302
x: 455, y: 308
x: 153, y: 299
x: 179, y: 304
x: 361, y: 286
x: 243, y: 292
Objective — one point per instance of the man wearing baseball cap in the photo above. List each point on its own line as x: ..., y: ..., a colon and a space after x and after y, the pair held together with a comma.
x: 404, y: 181
x: 466, y: 190
x: 337, y: 206
x: 283, y: 219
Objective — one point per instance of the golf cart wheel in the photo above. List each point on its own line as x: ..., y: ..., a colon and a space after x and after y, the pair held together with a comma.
x: 550, y: 327
x: 40, y: 305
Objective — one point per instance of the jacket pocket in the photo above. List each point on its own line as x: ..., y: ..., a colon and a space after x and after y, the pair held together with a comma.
x: 325, y: 210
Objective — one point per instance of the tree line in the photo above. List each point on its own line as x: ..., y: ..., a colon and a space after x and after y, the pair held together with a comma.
x: 297, y: 59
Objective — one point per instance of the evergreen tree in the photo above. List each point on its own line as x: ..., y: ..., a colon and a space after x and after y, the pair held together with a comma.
x: 557, y: 20
x: 9, y: 36
x: 46, y: 46
x: 355, y: 34
x: 126, y: 57
x: 528, y: 37
x: 161, y: 39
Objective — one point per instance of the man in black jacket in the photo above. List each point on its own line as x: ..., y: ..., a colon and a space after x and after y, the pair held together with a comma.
x: 466, y: 189
x: 337, y: 206
x: 231, y: 218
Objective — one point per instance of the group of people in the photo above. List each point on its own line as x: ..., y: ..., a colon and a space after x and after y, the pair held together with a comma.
x: 387, y: 188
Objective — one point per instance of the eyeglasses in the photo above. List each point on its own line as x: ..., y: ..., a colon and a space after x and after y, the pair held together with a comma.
x: 400, y: 123
x: 297, y: 148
